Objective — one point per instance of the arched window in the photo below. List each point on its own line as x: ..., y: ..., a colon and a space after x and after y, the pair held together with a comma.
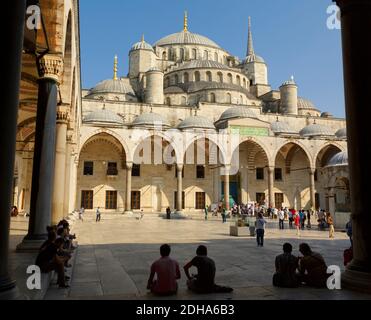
x: 176, y: 79
x: 209, y: 76
x: 241, y: 99
x: 197, y: 76
x: 244, y: 82
x: 238, y: 79
x: 194, y: 53
x: 220, y: 77
x: 216, y: 57
x: 212, y: 98
x: 186, y: 77
x: 230, y: 78
x: 184, y: 101
x: 182, y: 54
x: 164, y: 55
x: 206, y: 55
x: 229, y: 98
x: 168, y: 101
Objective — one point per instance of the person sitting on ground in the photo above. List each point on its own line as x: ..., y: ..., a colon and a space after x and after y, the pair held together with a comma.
x: 14, y: 211
x: 52, y: 236
x: 286, y: 265
x: 48, y: 260
x: 167, y: 272
x: 204, y: 281
x: 312, y: 267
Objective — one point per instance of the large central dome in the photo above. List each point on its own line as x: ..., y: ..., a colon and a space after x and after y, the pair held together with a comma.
x: 186, y: 37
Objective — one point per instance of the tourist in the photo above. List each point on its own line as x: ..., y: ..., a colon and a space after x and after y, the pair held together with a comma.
x: 49, y: 260
x: 260, y: 230
x: 167, y: 273
x: 296, y: 219
x: 302, y: 219
x: 286, y: 265
x: 348, y: 256
x: 291, y: 218
x: 52, y: 236
x: 312, y: 267
x: 224, y: 215
x: 330, y: 222
x: 98, y: 214
x: 14, y: 211
x: 281, y: 217
x: 168, y: 213
x: 309, y: 225
x: 204, y: 281
x: 81, y: 213
x: 206, y: 211
x: 350, y: 231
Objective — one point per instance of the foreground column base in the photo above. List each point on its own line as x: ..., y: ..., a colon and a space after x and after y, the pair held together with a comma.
x: 356, y: 278
x: 28, y: 245
x: 9, y: 290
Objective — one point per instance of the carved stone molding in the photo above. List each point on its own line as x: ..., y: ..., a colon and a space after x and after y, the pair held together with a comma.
x: 62, y: 115
x: 51, y: 66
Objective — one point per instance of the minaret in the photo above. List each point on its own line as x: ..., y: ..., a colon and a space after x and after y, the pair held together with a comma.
x: 115, y: 68
x: 185, y: 28
x: 250, y: 45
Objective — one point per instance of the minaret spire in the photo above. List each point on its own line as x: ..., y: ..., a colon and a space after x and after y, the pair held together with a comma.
x: 250, y: 45
x: 115, y: 68
x: 185, y: 21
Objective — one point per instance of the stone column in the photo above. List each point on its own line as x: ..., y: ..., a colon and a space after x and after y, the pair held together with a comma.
x: 271, y: 187
x: 68, y: 179
x: 179, y: 200
x: 129, y: 170
x: 331, y: 201
x: 50, y: 69
x: 227, y: 169
x: 312, y: 187
x: 60, y: 165
x: 244, y: 185
x: 11, y: 72
x: 216, y: 181
x: 356, y: 30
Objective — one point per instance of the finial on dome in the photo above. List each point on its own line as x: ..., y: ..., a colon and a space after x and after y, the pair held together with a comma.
x: 292, y: 78
x: 185, y: 21
x: 142, y: 40
x: 115, y: 68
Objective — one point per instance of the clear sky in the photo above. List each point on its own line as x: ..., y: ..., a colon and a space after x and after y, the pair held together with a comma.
x: 291, y: 35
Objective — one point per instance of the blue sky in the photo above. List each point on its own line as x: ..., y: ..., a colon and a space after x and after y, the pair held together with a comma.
x: 291, y: 35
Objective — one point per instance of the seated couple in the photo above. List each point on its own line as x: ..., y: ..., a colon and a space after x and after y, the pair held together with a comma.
x: 312, y: 268
x: 168, y: 272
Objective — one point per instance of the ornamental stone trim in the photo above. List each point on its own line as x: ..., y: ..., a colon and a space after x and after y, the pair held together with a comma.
x: 51, y: 67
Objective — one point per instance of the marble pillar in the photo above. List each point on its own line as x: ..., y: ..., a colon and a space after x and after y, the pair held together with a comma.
x: 179, y: 200
x: 129, y: 170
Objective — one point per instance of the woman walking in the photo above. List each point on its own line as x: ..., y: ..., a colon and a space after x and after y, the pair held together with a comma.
x: 330, y: 222
x: 297, y: 223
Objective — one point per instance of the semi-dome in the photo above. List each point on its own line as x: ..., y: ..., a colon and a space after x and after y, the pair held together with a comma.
x: 196, y: 122
x: 254, y: 58
x: 280, y: 127
x: 316, y: 130
x: 150, y: 120
x: 342, y: 133
x: 103, y: 117
x: 112, y: 86
x: 186, y: 37
x: 339, y: 159
x: 237, y: 113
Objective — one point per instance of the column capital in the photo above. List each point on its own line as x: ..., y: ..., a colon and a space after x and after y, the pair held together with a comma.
x: 63, y: 114
x: 129, y: 165
x: 312, y: 170
x: 271, y: 169
x: 179, y: 166
x: 51, y: 67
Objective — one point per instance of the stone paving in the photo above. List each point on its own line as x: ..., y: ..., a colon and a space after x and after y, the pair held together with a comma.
x: 115, y: 255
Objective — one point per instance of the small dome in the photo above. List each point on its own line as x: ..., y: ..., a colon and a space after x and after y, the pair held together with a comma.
x: 150, y: 120
x: 339, y: 159
x: 316, y: 130
x: 280, y: 127
x: 186, y: 37
x: 326, y: 115
x: 254, y: 58
x: 112, y: 86
x: 237, y: 113
x: 104, y: 117
x: 141, y: 45
x: 196, y: 122
x: 306, y: 104
x: 341, y: 134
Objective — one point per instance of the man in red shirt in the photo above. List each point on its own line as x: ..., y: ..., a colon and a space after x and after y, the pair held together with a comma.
x: 167, y: 271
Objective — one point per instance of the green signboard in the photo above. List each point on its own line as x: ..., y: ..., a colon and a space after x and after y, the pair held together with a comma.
x: 250, y: 131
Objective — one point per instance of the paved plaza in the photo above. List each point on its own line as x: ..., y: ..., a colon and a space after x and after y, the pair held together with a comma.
x: 114, y: 257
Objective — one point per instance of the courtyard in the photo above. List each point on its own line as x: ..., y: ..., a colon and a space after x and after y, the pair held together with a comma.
x: 114, y: 256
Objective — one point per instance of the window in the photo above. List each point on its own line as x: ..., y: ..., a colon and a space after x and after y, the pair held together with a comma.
x: 206, y: 55
x: 167, y: 82
x: 216, y: 57
x: 164, y: 55
x: 194, y: 53
x: 229, y: 98
x: 136, y: 170
x: 244, y: 82
x: 197, y: 76
x: 230, y: 78
x: 182, y: 54
x: 278, y: 174
x: 260, y: 198
x: 135, y: 200
x: 259, y: 173
x: 241, y: 99
x: 186, y: 77
x: 238, y: 80
x: 184, y: 101
x: 112, y: 169
x: 176, y: 79
x: 176, y: 197
x: 111, y: 200
x: 209, y: 76
x: 168, y: 101
x: 200, y: 172
x: 212, y: 98
x: 200, y: 200
x: 278, y: 200
x: 87, y: 199
x: 88, y: 168
x: 220, y: 77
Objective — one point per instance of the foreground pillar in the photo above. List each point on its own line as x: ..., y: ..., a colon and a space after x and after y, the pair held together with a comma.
x: 11, y: 72
x: 356, y: 32
x: 60, y: 166
x: 226, y: 187
x: 312, y: 188
x: 179, y: 200
x: 271, y: 187
x: 50, y: 70
x: 244, y: 185
x: 129, y: 170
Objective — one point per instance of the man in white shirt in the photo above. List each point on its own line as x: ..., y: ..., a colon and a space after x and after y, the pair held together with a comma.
x: 281, y: 217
